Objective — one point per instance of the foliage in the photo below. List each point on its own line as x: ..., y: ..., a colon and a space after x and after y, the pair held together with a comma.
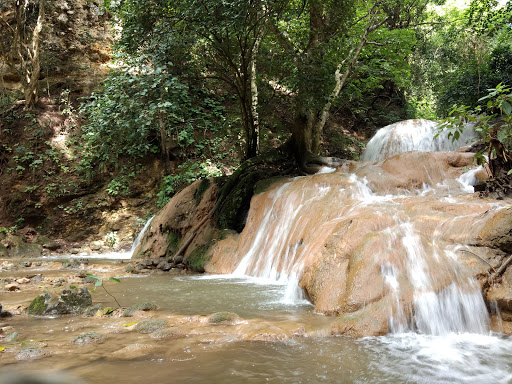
x: 125, y: 115
x: 189, y: 171
x: 493, y: 123
x: 99, y: 283
x: 143, y: 110
x: 460, y: 53
x: 111, y: 239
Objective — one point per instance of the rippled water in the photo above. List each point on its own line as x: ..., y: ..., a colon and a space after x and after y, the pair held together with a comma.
x: 317, y: 358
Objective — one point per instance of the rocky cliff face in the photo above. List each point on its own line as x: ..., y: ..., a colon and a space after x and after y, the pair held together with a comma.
x: 75, y: 45
x: 38, y: 155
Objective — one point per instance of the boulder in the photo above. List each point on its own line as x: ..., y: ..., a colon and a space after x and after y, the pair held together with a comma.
x: 95, y: 246
x: 150, y: 325
x: 70, y: 301
x: 12, y: 287
x: 88, y: 338
x: 223, y: 318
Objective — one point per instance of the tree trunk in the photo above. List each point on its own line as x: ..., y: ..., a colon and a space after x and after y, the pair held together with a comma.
x: 32, y: 70
x: 165, y: 149
x: 254, y: 144
x: 23, y: 57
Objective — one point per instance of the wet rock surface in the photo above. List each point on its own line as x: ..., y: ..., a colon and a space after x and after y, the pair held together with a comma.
x: 70, y: 301
x: 353, y: 246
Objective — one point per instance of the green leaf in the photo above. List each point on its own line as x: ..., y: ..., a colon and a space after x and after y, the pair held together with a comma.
x: 98, y: 283
x: 114, y: 279
x: 93, y: 276
x: 509, y: 172
x: 507, y: 108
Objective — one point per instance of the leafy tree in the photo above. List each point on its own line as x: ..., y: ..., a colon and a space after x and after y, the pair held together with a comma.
x: 322, y: 42
x: 457, y: 52
x: 493, y: 123
x: 136, y: 110
x: 218, y: 39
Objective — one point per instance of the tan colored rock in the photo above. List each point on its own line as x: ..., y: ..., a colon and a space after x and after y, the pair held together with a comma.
x: 342, y: 243
x: 12, y: 287
x: 133, y: 351
x: 177, y: 218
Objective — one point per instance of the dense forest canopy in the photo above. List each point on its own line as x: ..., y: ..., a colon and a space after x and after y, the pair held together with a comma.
x: 204, y: 85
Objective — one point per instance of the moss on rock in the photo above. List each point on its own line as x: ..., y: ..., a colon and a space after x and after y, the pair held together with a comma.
x: 88, y: 338
x: 150, y: 325
x: 223, y: 318
x: 265, y: 184
x: 38, y: 306
x: 147, y: 306
x: 173, y: 242
x: 201, y: 189
x: 198, y: 258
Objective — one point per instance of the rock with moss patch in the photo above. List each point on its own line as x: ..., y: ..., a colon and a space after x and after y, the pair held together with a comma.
x: 147, y: 306
x: 130, y: 269
x: 88, y: 338
x: 198, y: 258
x: 93, y: 310
x: 150, y: 325
x: 38, y: 306
x: 223, y: 318
x: 31, y: 354
x: 167, y: 333
x: 29, y: 250
x: 70, y: 301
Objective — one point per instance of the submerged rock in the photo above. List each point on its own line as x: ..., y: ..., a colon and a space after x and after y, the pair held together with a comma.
x: 167, y: 333
x: 224, y: 318
x: 150, y: 325
x: 93, y: 311
x: 88, y: 338
x: 32, y: 354
x: 147, y: 306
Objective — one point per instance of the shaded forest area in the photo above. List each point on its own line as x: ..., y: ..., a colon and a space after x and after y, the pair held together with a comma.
x: 110, y: 108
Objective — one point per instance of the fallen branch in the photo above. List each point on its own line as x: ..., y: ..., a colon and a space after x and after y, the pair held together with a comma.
x: 504, y: 266
x: 481, y: 258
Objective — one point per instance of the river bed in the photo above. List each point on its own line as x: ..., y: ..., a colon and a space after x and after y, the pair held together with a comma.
x: 273, y: 341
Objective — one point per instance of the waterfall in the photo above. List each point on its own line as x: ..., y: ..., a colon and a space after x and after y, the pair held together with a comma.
x: 413, y: 135
x: 364, y: 233
x: 458, y: 307
x: 136, y: 242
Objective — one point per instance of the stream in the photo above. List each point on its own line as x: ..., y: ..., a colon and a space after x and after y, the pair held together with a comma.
x: 221, y: 355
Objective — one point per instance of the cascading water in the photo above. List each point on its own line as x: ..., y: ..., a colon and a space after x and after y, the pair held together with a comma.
x: 398, y: 231
x: 413, y: 135
x: 136, y: 242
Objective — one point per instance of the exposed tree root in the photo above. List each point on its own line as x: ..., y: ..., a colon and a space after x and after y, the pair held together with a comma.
x: 311, y: 164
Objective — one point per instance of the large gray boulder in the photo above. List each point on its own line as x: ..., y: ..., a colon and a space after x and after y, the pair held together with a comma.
x: 70, y: 301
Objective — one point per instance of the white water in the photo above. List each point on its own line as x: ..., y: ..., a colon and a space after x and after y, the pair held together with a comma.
x: 136, y: 242
x: 412, y: 135
x: 126, y: 255
x: 275, y: 257
x: 272, y: 257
